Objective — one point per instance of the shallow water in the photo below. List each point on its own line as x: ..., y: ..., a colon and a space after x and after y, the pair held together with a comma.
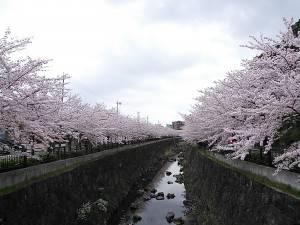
x: 153, y: 212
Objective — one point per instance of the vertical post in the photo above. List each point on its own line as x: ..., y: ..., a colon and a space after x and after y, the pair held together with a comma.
x: 25, y: 160
x: 79, y: 142
x: 64, y: 78
x: 32, y: 145
x: 63, y: 88
x: 269, y: 157
x: 86, y: 145
x: 260, y: 152
x: 118, y: 103
x: 70, y: 143
x: 64, y: 150
x: 57, y: 151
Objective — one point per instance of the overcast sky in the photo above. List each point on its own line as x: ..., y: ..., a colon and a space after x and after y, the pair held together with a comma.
x: 152, y: 55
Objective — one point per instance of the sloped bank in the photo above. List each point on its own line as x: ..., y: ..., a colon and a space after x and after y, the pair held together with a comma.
x: 223, y: 195
x: 86, y: 194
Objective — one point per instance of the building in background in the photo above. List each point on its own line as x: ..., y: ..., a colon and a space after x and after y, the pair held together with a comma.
x: 4, y: 137
x: 177, y: 125
x: 169, y: 126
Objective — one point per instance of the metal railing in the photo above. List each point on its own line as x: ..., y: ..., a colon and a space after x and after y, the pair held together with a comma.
x: 8, y: 162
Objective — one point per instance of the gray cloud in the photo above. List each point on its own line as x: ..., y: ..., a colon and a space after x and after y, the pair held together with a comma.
x: 139, y: 64
x: 141, y: 61
x: 242, y: 17
x: 150, y: 54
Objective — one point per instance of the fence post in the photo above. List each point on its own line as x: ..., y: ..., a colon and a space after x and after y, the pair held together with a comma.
x: 269, y: 154
x: 25, y: 160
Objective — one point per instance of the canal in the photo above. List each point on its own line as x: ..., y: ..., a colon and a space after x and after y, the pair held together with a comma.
x: 163, y: 200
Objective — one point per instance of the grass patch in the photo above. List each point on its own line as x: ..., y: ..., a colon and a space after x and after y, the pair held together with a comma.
x: 280, y: 187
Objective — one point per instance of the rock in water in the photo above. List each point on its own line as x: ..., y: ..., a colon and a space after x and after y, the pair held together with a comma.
x: 136, y: 218
x: 153, y: 190
x: 170, y: 216
x: 179, y: 178
x: 168, y: 173
x: 186, y: 202
x: 160, y: 196
x: 170, y: 182
x: 152, y: 195
x: 170, y: 196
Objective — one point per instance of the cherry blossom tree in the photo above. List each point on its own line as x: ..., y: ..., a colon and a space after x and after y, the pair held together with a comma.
x: 35, y: 108
x: 250, y: 106
x: 24, y: 95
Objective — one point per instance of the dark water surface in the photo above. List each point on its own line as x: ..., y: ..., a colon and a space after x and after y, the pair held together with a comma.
x: 153, y: 212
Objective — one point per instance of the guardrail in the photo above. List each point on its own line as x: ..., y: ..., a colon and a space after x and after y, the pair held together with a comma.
x: 12, y: 161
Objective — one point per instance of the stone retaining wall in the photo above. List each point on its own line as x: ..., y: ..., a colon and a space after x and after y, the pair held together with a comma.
x: 25, y: 176
x: 284, y: 177
x: 223, y: 195
x: 83, y: 190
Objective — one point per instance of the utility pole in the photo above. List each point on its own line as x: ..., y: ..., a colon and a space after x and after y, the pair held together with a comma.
x: 64, y: 78
x: 138, y: 116
x: 118, y: 103
x: 147, y: 119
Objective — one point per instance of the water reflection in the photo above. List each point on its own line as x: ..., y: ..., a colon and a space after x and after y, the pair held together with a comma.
x: 153, y: 212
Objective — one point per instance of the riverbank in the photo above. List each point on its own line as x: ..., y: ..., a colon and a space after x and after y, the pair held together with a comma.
x: 221, y: 195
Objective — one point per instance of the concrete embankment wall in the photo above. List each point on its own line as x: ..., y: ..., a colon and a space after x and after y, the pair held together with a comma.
x: 235, y: 192
x: 82, y: 190
x: 283, y: 177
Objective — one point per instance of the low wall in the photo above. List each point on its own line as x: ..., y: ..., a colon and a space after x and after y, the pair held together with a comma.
x: 226, y: 195
x: 82, y: 190
x: 284, y: 177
